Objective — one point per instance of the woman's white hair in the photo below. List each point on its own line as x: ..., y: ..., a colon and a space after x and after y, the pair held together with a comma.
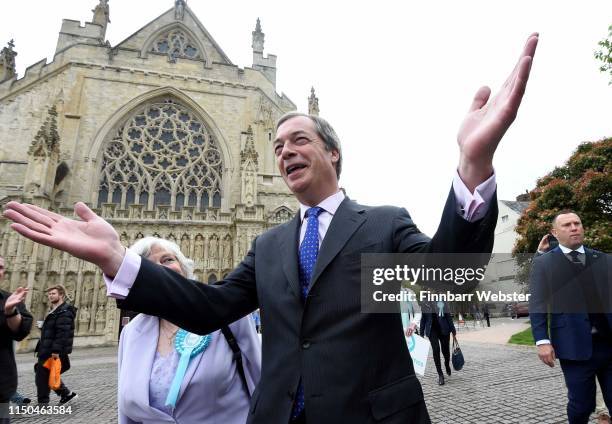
x: 144, y: 246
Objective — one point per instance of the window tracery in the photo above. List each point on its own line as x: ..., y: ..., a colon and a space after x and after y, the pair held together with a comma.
x: 176, y: 44
x: 163, y: 154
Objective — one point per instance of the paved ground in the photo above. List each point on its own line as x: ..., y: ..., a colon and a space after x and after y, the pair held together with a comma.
x: 499, y: 384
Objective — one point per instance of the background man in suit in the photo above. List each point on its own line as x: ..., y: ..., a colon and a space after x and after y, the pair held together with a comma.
x: 15, y: 324
x: 323, y: 360
x: 437, y: 325
x: 570, y: 291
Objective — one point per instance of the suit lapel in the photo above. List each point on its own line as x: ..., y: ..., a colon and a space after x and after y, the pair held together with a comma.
x: 596, y: 263
x: 288, y: 242
x: 347, y: 219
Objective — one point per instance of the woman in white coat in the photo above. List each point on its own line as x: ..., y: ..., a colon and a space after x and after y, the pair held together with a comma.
x: 169, y: 375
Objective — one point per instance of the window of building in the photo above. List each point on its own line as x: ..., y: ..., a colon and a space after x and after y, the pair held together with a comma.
x: 162, y: 154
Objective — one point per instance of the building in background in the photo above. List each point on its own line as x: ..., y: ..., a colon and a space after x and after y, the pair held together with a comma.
x: 161, y: 134
x: 502, y: 270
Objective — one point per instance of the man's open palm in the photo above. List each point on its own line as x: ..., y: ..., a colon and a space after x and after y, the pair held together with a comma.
x: 487, y: 121
x: 92, y: 239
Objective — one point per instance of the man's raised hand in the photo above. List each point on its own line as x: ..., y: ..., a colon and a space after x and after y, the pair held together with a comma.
x: 92, y: 239
x: 487, y: 120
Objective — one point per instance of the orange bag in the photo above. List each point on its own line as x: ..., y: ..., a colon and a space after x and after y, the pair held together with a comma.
x: 54, y: 365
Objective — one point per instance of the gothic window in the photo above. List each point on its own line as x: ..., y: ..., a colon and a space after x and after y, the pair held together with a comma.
x: 163, y: 154
x: 176, y: 44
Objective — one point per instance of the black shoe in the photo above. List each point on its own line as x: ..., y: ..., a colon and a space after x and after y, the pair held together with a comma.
x: 441, y: 380
x: 448, y: 368
x: 65, y: 399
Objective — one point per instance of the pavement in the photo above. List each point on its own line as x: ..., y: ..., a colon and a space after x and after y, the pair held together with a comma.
x: 499, y: 384
x: 499, y: 333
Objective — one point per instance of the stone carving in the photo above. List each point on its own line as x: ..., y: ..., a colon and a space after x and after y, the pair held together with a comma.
x: 226, y: 251
x: 100, y: 319
x: 87, y: 294
x: 7, y: 62
x: 185, y: 245
x: 213, y: 248
x: 179, y: 10
x: 102, y: 299
x: 313, y: 103
x: 84, y: 318
x: 70, y: 288
x: 199, y: 248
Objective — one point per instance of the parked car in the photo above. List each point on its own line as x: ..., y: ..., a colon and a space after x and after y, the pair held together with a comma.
x: 519, y: 309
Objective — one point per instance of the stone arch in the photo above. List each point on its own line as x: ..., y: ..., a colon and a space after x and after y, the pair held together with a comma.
x: 148, y: 44
x: 281, y: 214
x: 105, y: 133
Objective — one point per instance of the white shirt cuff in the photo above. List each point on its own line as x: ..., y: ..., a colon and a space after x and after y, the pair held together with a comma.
x: 120, y: 286
x: 473, y: 206
x: 542, y: 342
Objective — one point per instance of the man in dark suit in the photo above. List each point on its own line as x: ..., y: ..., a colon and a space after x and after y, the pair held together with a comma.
x: 570, y: 294
x: 323, y: 360
x: 437, y: 325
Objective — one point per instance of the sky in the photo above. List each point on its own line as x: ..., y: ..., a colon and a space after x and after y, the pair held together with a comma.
x: 395, y: 78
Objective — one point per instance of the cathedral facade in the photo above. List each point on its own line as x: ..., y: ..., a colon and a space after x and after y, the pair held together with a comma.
x: 160, y: 134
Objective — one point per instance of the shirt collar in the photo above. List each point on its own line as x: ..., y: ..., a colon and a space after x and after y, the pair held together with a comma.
x: 330, y: 205
x: 567, y: 250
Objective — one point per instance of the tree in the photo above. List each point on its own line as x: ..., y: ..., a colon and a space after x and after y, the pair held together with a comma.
x: 583, y: 184
x: 605, y: 54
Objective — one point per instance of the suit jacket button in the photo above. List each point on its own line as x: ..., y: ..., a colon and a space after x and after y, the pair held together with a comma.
x: 305, y: 344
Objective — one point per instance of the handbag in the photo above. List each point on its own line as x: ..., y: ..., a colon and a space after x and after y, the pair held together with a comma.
x: 457, y: 356
x: 54, y: 365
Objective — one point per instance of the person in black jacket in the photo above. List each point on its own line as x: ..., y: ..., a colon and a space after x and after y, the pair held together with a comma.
x: 437, y: 325
x: 15, y: 324
x: 56, y: 337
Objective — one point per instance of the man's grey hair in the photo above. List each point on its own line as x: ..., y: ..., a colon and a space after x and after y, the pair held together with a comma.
x: 144, y: 246
x: 324, y: 130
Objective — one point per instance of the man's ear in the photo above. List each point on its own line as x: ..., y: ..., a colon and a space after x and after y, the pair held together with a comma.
x: 335, y: 156
x: 553, y: 231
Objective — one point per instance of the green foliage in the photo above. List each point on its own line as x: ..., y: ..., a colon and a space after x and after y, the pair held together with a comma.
x: 524, y: 337
x: 605, y: 54
x: 583, y: 184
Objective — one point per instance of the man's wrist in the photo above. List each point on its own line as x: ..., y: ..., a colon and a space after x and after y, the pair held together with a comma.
x: 10, y: 314
x: 472, y: 173
x: 111, y: 267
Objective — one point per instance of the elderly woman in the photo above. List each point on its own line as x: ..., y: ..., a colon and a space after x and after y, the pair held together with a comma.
x: 169, y: 375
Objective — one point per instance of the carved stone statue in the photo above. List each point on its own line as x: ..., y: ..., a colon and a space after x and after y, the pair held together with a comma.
x: 213, y: 248
x: 179, y: 10
x: 102, y: 295
x: 84, y: 318
x: 87, y: 294
x: 185, y: 245
x: 199, y: 248
x: 71, y: 288
x: 100, y: 318
x: 226, y: 251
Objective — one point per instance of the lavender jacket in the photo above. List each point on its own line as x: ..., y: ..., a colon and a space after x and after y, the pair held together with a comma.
x: 212, y: 391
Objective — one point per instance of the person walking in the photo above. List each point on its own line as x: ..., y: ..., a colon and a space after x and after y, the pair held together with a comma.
x: 15, y: 325
x: 56, y: 337
x: 437, y: 325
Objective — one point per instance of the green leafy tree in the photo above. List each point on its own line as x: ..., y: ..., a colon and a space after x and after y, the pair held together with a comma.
x: 583, y: 184
x: 605, y: 54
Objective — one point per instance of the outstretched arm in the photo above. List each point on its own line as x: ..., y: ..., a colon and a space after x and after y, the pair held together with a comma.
x: 91, y: 239
x: 488, y: 120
